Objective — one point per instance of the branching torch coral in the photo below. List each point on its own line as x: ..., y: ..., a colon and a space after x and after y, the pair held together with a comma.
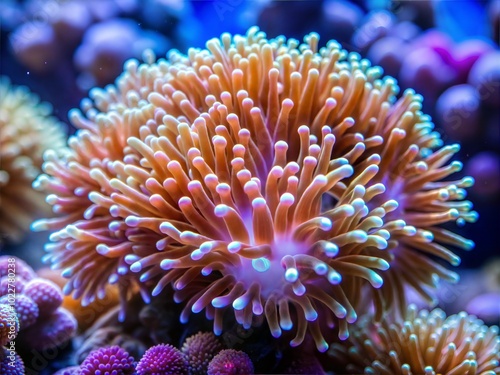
x: 422, y: 343
x: 266, y: 176
x: 26, y: 131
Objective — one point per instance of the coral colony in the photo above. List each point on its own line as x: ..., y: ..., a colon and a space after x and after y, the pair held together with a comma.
x: 26, y: 131
x: 266, y: 181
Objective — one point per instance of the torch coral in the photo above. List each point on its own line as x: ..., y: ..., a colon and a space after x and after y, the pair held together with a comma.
x: 424, y: 343
x: 266, y: 176
x: 9, y: 324
x: 26, y: 131
x: 230, y: 362
x: 108, y: 361
x: 199, y: 350
x: 163, y: 359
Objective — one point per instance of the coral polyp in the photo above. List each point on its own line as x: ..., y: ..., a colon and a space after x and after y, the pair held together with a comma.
x: 422, y: 343
x: 268, y: 177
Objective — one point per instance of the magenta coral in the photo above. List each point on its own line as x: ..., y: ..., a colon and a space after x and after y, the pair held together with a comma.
x: 26, y: 309
x: 50, y: 332
x: 46, y: 294
x: 162, y: 359
x: 230, y: 362
x: 264, y: 176
x: 108, y: 361
x: 10, y: 363
x: 199, y: 350
x: 9, y: 324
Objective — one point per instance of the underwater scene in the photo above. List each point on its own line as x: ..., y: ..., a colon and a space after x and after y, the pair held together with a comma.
x: 249, y: 187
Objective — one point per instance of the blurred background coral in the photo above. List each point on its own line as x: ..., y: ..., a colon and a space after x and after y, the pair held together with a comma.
x: 447, y: 51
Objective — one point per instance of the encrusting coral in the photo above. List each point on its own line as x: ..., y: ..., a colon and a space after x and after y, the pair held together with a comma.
x: 264, y: 176
x: 423, y: 343
x: 26, y: 131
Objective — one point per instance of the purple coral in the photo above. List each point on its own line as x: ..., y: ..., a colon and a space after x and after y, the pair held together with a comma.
x: 7, y: 285
x: 10, y: 264
x: 72, y: 370
x: 9, y: 324
x: 27, y: 310
x: 112, y: 360
x: 50, y: 332
x: 46, y: 294
x: 199, y: 350
x: 230, y: 362
x: 163, y: 359
x: 10, y: 362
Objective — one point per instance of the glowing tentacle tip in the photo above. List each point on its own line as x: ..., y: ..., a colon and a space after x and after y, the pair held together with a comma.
x: 261, y: 264
x: 167, y: 264
x: 291, y: 275
x: 102, y: 249
x: 325, y: 224
x: 136, y: 267
x: 234, y: 247
x: 331, y: 250
x: 334, y: 277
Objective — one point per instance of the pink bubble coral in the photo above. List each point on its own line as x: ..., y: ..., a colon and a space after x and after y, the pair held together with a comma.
x: 46, y: 294
x: 230, y: 362
x: 108, y: 361
x: 26, y: 309
x: 9, y: 324
x: 50, y: 332
x: 263, y: 176
x: 162, y: 359
x: 199, y: 350
x: 10, y: 363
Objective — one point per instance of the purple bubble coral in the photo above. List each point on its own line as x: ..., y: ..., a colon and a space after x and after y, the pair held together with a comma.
x: 267, y: 177
x: 46, y: 294
x: 26, y: 309
x: 13, y: 265
x: 108, y: 361
x: 10, y: 362
x: 50, y: 332
x: 199, y: 350
x: 230, y: 362
x: 163, y: 359
x: 7, y: 286
x: 9, y: 324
